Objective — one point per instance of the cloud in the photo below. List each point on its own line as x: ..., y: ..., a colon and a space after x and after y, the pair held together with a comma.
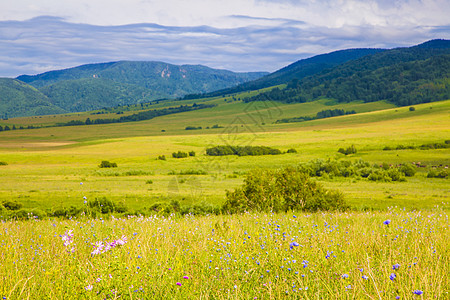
x: 254, y: 43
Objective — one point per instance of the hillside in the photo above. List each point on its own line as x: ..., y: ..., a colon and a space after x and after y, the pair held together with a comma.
x: 111, y: 84
x: 20, y: 99
x: 402, y: 76
x: 297, y: 70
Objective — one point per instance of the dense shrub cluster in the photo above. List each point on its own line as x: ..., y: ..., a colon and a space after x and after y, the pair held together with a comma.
x: 193, y: 128
x: 281, y: 190
x: 429, y: 146
x: 327, y: 113
x: 3, y: 163
x: 241, y: 151
x: 179, y: 154
x: 434, y: 173
x: 107, y: 164
x: 359, y: 168
x: 349, y: 150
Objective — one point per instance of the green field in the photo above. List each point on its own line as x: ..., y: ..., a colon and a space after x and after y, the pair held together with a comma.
x: 46, y: 165
x: 391, y: 244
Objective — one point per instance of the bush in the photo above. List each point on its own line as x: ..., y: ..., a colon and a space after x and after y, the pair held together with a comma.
x: 162, y: 157
x: 107, y: 164
x: 281, y: 190
x: 349, y: 150
x: 438, y: 174
x: 12, y: 205
x: 412, y: 108
x: 409, y: 170
x: 191, y: 153
x: 179, y: 154
x: 106, y: 206
x: 3, y: 163
x: 292, y: 150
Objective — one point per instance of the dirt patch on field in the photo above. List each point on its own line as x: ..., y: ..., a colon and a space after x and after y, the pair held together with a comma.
x: 28, y: 145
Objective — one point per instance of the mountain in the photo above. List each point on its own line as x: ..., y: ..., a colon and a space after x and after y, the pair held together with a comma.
x: 402, y: 76
x: 95, y: 86
x: 298, y: 70
x: 20, y: 99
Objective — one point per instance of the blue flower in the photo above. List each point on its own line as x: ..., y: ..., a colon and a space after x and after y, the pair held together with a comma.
x: 418, y: 292
x: 344, y: 276
x: 395, y: 267
x: 365, y: 277
x: 387, y: 222
x: 293, y: 244
x: 392, y: 276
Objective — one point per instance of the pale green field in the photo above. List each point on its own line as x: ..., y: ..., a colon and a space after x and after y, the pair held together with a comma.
x: 45, y: 166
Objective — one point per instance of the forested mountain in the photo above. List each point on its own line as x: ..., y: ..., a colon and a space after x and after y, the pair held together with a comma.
x: 403, y: 76
x: 297, y: 70
x: 94, y: 86
x: 20, y: 99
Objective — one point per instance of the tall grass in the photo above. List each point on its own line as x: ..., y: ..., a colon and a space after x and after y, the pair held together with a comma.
x: 249, y: 256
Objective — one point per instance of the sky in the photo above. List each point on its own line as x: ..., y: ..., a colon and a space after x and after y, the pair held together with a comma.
x: 239, y: 35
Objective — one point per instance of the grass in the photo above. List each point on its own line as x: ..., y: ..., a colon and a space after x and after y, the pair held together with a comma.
x: 51, y: 162
x: 336, y: 256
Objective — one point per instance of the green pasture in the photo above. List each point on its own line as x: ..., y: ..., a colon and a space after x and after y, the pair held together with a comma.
x: 46, y: 166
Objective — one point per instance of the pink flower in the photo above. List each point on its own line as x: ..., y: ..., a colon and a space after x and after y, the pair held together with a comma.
x: 179, y: 283
x: 185, y: 277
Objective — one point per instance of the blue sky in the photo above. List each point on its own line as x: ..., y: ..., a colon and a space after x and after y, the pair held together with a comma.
x: 239, y: 35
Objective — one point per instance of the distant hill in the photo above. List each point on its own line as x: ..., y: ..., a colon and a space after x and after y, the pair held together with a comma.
x: 20, y: 99
x: 402, y: 76
x: 297, y: 70
x: 95, y: 86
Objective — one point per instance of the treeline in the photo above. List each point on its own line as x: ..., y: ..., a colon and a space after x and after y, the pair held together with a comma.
x: 328, y: 113
x: 141, y: 116
x: 242, y: 151
x: 402, y: 77
x: 444, y: 145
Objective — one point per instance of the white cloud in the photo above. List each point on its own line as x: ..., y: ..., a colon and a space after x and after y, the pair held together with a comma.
x: 241, y: 35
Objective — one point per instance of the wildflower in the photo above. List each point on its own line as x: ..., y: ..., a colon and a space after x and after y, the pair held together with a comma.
x: 387, y: 222
x: 392, y: 276
x: 365, y: 277
x: 185, y: 277
x: 89, y: 287
x: 397, y: 297
x: 344, y: 276
x: 179, y: 283
x: 418, y: 292
x: 395, y: 267
x: 293, y: 244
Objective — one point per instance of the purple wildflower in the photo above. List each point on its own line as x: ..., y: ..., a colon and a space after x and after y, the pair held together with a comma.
x: 365, y: 277
x: 392, y: 276
x: 395, y: 267
x: 89, y: 287
x: 185, y: 277
x: 293, y: 244
x: 179, y: 283
x: 387, y: 222
x: 417, y: 292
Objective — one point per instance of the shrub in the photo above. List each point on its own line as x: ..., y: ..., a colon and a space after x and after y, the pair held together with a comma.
x: 179, y: 154
x: 412, y: 108
x: 162, y: 157
x: 107, y: 164
x: 409, y: 170
x: 149, y: 182
x: 349, y: 150
x: 3, y: 163
x: 281, y: 190
x: 292, y: 150
x: 106, y: 206
x: 12, y: 205
x: 191, y: 153
x: 438, y: 174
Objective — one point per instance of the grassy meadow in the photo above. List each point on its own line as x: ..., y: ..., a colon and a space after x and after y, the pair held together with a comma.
x: 391, y: 244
